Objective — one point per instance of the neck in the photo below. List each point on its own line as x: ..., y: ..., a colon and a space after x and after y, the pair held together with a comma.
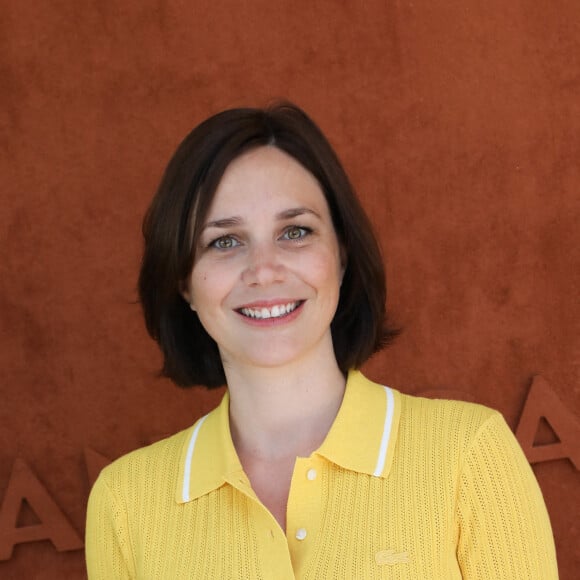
x: 278, y: 414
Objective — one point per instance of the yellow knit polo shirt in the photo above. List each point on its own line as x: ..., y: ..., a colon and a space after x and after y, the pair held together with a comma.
x: 402, y: 488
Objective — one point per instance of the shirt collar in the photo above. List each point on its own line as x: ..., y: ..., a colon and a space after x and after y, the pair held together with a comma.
x: 362, y: 438
x: 364, y: 433
x: 208, y: 457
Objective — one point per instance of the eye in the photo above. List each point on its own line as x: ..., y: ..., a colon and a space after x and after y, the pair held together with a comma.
x: 296, y: 233
x: 224, y: 243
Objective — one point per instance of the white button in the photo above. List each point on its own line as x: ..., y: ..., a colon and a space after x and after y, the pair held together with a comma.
x: 300, y: 533
x: 311, y: 475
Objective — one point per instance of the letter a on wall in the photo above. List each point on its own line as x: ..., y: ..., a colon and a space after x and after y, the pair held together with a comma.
x: 54, y: 526
x: 543, y: 402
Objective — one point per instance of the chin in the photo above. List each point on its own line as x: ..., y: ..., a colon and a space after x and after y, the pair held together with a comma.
x: 267, y: 358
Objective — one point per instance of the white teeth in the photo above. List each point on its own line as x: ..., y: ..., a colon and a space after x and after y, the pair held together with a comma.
x: 274, y: 312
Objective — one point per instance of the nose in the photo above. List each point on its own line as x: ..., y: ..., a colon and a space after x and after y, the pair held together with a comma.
x: 264, y: 266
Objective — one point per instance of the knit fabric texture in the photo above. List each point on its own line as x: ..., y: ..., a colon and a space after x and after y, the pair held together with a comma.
x: 402, y: 488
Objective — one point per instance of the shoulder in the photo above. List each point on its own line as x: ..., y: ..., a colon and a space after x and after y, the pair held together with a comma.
x: 462, y: 414
x: 454, y: 426
x: 147, y: 466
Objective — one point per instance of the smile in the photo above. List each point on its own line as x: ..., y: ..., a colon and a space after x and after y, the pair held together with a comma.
x: 277, y: 311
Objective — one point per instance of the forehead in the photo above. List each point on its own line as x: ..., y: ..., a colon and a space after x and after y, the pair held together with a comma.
x: 266, y: 175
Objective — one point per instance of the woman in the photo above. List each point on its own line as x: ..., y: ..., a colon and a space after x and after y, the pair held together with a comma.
x: 261, y: 272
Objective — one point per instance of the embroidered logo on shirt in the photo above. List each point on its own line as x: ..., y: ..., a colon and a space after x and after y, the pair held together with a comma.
x: 390, y: 557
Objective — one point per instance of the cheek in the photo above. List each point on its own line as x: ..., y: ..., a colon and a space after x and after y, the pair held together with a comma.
x: 198, y: 288
x: 208, y: 286
x: 326, y: 270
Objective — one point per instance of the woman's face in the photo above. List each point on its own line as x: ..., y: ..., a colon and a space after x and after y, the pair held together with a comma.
x: 266, y: 278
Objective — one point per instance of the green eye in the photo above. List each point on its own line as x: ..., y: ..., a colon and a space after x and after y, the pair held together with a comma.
x: 296, y: 232
x: 224, y: 243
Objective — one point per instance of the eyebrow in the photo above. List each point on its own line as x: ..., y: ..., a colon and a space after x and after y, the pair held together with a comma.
x: 224, y: 223
x: 283, y: 215
x: 295, y: 212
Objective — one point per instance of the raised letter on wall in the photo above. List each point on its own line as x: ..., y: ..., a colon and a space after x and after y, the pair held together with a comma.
x: 53, y: 526
x: 543, y: 402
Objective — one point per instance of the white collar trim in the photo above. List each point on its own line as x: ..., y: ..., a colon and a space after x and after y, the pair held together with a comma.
x: 381, y: 459
x: 189, y: 455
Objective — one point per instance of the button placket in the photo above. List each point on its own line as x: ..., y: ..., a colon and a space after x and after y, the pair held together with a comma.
x: 301, y: 533
x: 304, y: 505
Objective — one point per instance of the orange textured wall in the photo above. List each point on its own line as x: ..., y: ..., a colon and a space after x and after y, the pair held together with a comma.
x: 459, y: 122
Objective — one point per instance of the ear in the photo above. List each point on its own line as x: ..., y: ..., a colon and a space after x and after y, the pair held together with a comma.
x: 186, y: 294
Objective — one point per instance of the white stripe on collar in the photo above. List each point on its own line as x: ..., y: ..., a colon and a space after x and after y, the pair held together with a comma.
x: 386, y: 433
x: 187, y: 468
x: 381, y: 459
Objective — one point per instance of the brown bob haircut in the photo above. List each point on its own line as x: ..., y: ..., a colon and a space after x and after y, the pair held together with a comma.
x: 177, y: 213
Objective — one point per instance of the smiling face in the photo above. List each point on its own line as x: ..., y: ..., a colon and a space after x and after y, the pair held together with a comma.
x: 266, y: 277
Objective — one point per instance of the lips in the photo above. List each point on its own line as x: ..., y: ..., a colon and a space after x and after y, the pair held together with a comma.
x: 266, y: 312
